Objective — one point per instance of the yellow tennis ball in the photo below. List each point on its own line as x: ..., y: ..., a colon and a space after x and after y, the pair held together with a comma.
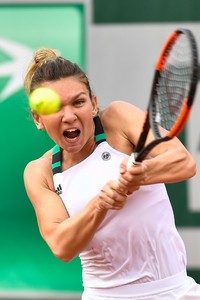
x: 44, y: 101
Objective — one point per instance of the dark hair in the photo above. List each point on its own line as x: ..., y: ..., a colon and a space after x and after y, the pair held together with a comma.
x: 48, y: 66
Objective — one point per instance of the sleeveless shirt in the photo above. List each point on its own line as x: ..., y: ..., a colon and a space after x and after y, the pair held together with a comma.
x: 137, y: 244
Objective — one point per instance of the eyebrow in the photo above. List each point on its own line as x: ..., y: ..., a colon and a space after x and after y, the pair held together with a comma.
x: 78, y: 95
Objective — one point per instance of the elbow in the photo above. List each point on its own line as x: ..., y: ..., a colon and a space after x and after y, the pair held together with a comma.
x: 59, y: 248
x: 192, y: 169
x: 62, y: 253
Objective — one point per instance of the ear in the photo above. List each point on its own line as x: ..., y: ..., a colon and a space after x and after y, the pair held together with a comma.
x: 37, y: 121
x: 94, y: 105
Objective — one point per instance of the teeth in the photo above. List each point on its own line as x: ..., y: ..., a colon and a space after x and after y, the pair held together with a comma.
x: 71, y: 130
x: 71, y: 133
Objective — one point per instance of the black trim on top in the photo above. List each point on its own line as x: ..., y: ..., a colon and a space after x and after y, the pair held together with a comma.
x: 56, y: 159
x: 99, y: 131
x: 57, y: 151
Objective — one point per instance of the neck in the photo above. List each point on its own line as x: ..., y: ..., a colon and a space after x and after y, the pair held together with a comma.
x: 71, y: 159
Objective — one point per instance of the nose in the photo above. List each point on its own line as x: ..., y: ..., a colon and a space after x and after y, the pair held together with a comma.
x: 68, y: 114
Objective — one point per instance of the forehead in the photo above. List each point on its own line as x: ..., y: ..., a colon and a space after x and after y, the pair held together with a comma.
x: 69, y: 86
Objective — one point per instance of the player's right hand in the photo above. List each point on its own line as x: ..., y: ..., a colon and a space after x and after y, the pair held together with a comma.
x: 110, y: 197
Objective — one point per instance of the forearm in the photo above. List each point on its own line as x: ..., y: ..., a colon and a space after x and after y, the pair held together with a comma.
x: 171, y: 166
x: 73, y: 234
x: 173, y: 163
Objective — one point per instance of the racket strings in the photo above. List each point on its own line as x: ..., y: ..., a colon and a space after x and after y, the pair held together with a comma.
x: 174, y: 82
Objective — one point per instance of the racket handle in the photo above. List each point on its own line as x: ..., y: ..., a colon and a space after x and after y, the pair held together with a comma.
x: 131, y: 161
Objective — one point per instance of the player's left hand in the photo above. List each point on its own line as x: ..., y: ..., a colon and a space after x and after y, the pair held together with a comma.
x: 131, y: 179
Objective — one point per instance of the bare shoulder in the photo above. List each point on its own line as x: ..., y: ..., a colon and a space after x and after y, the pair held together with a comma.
x: 39, y: 170
x: 120, y: 106
x: 39, y: 164
x: 122, y: 121
x: 122, y: 114
x: 121, y: 110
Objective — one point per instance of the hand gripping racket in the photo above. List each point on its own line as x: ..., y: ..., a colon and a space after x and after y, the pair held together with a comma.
x: 173, y: 90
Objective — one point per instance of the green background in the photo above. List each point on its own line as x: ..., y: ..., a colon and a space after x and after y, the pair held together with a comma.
x: 26, y: 261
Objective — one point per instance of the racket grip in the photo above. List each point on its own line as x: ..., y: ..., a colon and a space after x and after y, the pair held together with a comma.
x: 131, y: 161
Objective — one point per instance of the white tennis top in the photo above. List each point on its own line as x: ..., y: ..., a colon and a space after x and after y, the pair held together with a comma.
x: 138, y: 244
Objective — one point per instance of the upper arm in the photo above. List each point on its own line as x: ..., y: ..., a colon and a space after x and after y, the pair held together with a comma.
x: 49, y: 208
x: 126, y: 120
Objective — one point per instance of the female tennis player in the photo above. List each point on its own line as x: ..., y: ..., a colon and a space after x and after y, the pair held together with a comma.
x: 120, y: 222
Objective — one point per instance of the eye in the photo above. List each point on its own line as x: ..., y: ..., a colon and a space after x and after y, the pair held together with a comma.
x: 79, y: 102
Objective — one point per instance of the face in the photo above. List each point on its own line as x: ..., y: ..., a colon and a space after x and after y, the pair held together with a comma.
x: 72, y: 127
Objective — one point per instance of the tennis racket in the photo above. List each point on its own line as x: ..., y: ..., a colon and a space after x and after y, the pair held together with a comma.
x: 173, y: 90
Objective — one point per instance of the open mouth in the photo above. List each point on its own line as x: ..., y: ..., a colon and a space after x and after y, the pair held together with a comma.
x: 71, y: 133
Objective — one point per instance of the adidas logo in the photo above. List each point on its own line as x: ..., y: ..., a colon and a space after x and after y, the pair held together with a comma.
x: 59, y: 190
